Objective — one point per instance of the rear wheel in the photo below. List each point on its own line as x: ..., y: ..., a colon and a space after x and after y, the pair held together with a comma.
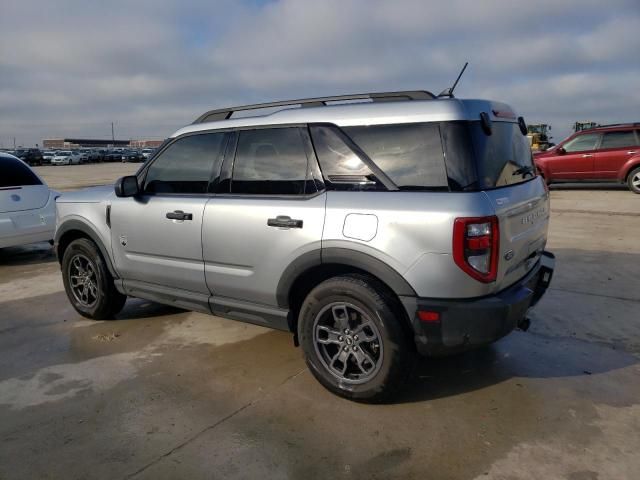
x: 88, y: 283
x: 633, y: 181
x: 352, y: 338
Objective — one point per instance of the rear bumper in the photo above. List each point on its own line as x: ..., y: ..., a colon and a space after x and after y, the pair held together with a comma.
x: 464, y: 324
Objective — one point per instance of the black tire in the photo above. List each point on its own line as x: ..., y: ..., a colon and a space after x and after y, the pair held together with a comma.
x: 103, y: 300
x: 363, y: 298
x: 633, y: 180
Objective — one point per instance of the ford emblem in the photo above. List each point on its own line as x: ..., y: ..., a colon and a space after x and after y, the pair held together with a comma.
x: 15, y: 198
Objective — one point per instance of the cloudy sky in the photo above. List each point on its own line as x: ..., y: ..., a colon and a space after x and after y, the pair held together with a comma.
x: 70, y: 68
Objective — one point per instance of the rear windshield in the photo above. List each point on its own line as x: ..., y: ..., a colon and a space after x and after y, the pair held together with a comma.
x: 15, y: 174
x: 477, y: 161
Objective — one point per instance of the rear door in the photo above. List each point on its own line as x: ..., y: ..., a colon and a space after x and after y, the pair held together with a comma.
x: 578, y: 161
x: 615, y: 149
x: 267, y: 213
x: 156, y: 237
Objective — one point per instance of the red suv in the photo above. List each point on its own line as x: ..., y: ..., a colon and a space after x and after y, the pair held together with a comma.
x: 606, y: 153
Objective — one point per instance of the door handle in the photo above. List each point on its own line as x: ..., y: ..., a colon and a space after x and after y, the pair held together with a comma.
x: 284, y: 221
x: 179, y: 215
x: 631, y: 152
x: 587, y: 155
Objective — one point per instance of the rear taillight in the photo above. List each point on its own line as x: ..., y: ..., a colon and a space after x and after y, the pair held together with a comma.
x: 476, y: 242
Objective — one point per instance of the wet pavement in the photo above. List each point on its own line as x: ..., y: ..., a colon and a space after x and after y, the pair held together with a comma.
x: 163, y: 393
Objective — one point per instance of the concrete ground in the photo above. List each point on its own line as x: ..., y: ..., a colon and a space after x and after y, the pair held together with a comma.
x: 163, y: 393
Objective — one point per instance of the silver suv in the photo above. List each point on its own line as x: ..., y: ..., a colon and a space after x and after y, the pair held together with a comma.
x: 371, y: 226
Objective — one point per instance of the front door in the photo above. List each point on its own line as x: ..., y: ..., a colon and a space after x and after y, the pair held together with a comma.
x: 156, y: 237
x: 578, y: 161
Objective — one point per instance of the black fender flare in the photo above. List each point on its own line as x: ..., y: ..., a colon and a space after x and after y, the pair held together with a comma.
x: 86, y: 230
x: 341, y: 256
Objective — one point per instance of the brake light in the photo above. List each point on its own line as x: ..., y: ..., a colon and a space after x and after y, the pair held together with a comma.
x: 476, y: 242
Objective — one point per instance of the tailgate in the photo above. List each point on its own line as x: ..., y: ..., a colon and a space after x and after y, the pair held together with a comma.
x: 523, y: 213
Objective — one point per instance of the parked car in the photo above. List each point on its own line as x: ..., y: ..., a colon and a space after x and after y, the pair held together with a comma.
x: 607, y: 153
x: 66, y: 157
x: 147, y: 152
x: 27, y: 206
x: 132, y: 156
x: 47, y: 156
x: 113, y: 156
x: 31, y: 156
x: 369, y: 230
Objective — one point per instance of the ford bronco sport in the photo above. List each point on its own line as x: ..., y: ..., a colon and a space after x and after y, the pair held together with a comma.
x: 371, y: 226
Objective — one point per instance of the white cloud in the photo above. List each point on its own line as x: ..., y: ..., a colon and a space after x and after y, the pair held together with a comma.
x: 71, y: 67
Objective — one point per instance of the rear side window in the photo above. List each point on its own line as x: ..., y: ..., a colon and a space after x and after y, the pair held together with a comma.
x: 409, y: 154
x: 582, y: 143
x: 14, y: 173
x: 270, y: 161
x: 618, y: 140
x: 186, y: 166
x: 342, y: 168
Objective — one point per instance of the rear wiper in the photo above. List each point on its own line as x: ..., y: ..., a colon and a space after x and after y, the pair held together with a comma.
x: 524, y: 170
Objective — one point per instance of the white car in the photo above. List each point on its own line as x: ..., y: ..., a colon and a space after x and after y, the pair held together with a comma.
x: 66, y: 157
x: 147, y: 152
x: 27, y: 206
x: 47, y: 156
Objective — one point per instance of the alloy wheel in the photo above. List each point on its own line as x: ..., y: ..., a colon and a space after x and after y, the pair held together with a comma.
x: 83, y: 280
x: 347, y: 342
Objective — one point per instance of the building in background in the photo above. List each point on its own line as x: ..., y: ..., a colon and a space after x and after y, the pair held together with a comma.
x: 71, y: 143
x: 145, y: 143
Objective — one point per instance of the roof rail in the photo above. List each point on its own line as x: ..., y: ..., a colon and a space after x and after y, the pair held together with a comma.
x: 226, y: 113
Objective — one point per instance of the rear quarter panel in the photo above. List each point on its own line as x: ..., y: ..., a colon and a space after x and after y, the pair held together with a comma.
x: 413, y: 235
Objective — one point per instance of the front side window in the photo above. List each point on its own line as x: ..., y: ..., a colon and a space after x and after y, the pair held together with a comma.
x: 270, y: 161
x: 618, y: 140
x: 409, y: 154
x: 186, y: 166
x: 582, y: 143
x: 14, y: 173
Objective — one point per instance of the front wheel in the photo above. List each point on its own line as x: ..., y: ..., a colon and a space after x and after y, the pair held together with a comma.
x: 633, y: 181
x: 353, y: 341
x: 88, y: 283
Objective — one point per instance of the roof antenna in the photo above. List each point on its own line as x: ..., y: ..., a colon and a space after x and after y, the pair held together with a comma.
x: 448, y: 92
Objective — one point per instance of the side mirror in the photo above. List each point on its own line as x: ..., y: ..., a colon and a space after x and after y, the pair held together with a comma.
x: 127, y: 186
x: 561, y: 151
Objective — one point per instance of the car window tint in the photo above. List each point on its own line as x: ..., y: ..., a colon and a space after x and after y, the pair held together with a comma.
x: 341, y: 167
x: 502, y: 158
x: 186, y: 165
x: 582, y: 143
x: 14, y: 173
x: 410, y: 154
x: 270, y: 161
x: 618, y: 139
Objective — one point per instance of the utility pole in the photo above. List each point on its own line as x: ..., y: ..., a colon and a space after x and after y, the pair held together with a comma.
x: 14, y: 143
x: 113, y: 138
